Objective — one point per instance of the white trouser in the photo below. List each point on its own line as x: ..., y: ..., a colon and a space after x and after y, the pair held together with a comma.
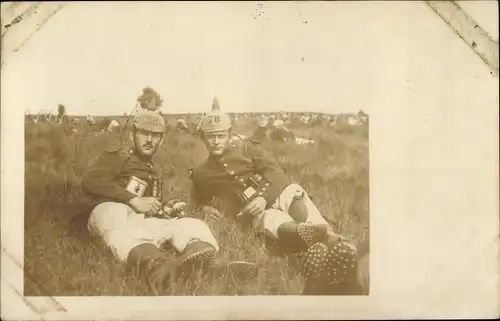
x: 122, y: 229
x: 269, y: 221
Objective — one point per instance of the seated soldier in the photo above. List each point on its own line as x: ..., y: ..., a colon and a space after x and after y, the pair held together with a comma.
x: 261, y: 134
x: 281, y: 133
x: 250, y: 184
x: 127, y: 213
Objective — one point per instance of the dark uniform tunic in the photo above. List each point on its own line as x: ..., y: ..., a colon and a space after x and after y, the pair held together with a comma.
x: 106, y: 179
x: 244, y: 166
x: 260, y: 134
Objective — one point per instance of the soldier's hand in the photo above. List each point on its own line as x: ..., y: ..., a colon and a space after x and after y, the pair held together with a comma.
x: 173, y: 202
x: 175, y: 208
x: 146, y: 205
x: 256, y: 206
x: 211, y: 212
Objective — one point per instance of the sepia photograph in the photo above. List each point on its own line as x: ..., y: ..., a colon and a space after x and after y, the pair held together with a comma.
x: 159, y: 176
x: 276, y: 212
x: 223, y: 149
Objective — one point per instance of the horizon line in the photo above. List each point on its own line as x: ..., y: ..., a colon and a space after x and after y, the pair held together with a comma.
x: 201, y: 113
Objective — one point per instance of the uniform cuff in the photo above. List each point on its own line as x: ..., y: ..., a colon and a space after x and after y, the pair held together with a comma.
x: 269, y: 191
x: 125, y: 196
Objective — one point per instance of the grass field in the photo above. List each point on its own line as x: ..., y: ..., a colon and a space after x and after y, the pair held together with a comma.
x: 59, y: 263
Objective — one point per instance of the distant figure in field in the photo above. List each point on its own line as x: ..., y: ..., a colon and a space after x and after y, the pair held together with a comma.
x: 188, y: 127
x: 261, y: 134
x: 182, y: 125
x: 113, y: 125
x: 281, y: 133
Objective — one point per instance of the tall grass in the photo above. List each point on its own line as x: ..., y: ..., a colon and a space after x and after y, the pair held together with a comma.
x: 59, y: 262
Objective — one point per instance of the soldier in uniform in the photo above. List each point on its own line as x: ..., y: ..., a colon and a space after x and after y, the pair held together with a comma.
x: 126, y: 210
x: 252, y: 187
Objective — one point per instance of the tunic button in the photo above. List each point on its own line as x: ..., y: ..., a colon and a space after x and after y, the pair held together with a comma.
x: 231, y: 172
x: 260, y: 194
x: 267, y: 184
x: 225, y: 165
x: 242, y: 180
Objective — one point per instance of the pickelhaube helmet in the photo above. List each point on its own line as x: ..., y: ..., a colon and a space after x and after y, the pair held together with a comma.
x: 149, y: 120
x: 216, y: 120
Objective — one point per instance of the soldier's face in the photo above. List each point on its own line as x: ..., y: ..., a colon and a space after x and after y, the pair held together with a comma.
x: 216, y: 142
x: 146, y: 142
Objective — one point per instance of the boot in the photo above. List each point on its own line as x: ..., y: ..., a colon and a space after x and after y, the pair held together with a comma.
x: 197, y: 255
x: 202, y: 256
x: 331, y: 269
x: 330, y: 264
x: 158, y: 267
x: 298, y: 237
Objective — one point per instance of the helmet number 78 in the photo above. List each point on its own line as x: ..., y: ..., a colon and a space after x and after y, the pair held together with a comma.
x: 213, y: 119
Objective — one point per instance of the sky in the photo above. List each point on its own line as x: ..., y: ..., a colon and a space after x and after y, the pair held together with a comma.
x: 95, y: 58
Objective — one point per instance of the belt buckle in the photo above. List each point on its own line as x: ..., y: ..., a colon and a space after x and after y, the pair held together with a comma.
x: 249, y: 192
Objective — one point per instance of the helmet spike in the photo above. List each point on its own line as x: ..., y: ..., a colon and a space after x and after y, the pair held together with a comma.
x: 215, y: 104
x: 215, y: 120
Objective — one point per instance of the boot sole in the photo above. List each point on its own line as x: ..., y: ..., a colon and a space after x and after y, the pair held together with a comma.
x: 316, y: 261
x: 201, y: 259
x: 243, y: 270
x: 329, y: 265
x: 311, y: 234
x: 342, y: 263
